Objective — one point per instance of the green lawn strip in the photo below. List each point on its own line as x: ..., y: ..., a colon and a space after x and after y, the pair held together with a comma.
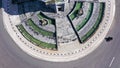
x: 50, y: 20
x: 96, y: 25
x: 74, y: 13
x: 102, y: 6
x: 38, y: 29
x: 34, y: 40
x: 78, y: 27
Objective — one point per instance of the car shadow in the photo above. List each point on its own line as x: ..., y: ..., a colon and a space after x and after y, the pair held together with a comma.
x: 108, y: 39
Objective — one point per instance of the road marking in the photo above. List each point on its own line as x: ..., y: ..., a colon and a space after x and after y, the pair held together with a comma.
x: 112, y: 61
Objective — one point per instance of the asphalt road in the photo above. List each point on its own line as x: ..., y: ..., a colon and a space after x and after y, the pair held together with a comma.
x: 105, y: 56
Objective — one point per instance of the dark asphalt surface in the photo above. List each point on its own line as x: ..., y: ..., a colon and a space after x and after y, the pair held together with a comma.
x: 13, y: 57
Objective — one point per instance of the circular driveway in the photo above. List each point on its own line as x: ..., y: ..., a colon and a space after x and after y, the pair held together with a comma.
x: 12, y: 57
x: 64, y: 53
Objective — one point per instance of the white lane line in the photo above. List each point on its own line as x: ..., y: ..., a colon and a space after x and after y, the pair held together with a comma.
x: 111, y: 62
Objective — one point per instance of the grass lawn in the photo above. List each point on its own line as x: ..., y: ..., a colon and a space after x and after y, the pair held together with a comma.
x: 75, y: 11
x: 42, y: 16
x: 34, y: 40
x: 78, y: 27
x: 38, y: 29
x: 96, y: 25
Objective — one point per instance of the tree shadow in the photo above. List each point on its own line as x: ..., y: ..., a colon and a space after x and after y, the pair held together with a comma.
x: 25, y: 7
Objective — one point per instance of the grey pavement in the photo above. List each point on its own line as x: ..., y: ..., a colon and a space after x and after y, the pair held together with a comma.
x: 13, y: 57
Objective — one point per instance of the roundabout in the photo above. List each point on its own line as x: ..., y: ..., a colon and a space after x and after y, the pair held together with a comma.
x: 62, y: 39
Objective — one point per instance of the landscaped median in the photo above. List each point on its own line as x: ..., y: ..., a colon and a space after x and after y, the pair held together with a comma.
x: 96, y: 25
x: 75, y: 11
x: 81, y: 25
x: 38, y: 29
x: 42, y: 16
x: 34, y: 40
